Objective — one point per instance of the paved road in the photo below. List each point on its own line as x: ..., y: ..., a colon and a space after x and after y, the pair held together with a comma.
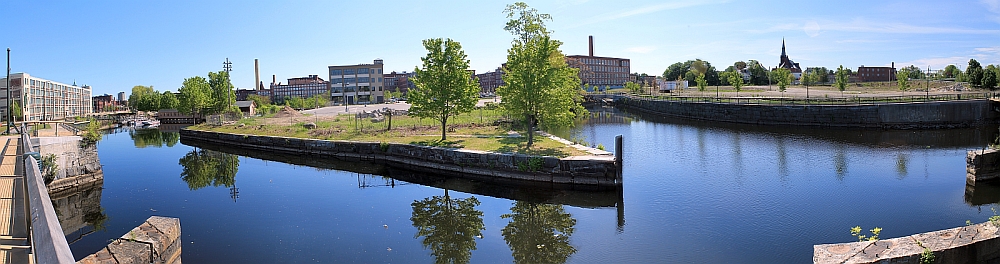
x: 337, y: 110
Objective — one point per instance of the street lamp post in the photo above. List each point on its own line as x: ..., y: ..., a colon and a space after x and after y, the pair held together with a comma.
x: 9, y: 100
x: 228, y: 67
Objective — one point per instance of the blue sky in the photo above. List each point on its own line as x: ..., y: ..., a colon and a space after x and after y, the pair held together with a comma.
x: 114, y: 45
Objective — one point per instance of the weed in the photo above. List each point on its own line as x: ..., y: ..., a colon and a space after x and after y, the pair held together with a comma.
x: 384, y: 146
x: 856, y: 232
x: 600, y: 146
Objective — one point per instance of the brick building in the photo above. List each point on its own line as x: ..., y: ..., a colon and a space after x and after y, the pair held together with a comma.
x: 104, y: 102
x: 398, y: 82
x: 302, y: 87
x: 601, y: 71
x: 877, y: 74
x: 489, y: 81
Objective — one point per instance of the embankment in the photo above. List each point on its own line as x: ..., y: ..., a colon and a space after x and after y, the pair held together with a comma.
x: 917, y: 115
x: 598, y: 171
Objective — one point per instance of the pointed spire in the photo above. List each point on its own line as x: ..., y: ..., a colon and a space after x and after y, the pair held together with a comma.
x: 783, y: 47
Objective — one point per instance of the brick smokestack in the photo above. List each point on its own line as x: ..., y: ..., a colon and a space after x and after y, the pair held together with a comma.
x: 274, y: 79
x: 256, y: 75
x: 591, y: 46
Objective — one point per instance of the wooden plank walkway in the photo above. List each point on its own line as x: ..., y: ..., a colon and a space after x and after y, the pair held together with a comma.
x: 14, y: 243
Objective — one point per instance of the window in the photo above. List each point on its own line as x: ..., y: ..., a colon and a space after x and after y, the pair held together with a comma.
x: 363, y: 71
x: 336, y: 72
x: 348, y: 71
x: 363, y: 79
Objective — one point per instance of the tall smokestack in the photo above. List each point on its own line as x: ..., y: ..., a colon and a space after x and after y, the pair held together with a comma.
x: 256, y: 74
x: 274, y: 79
x: 591, y: 46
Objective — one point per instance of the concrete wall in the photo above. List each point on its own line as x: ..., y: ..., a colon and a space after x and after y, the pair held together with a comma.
x: 73, y: 157
x: 943, y: 114
x: 586, y: 170
x: 158, y: 240
x: 982, y: 165
x: 978, y: 243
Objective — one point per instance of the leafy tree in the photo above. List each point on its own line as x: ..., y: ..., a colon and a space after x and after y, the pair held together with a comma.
x: 539, y: 85
x: 914, y: 72
x: 740, y: 65
x: 758, y: 74
x: 951, y: 71
x: 448, y: 226
x: 700, y: 80
x: 903, y: 79
x: 841, y: 80
x: 539, y: 233
x: 807, y: 80
x: 144, y: 98
x: 222, y: 97
x: 261, y: 101
x: 443, y: 87
x: 633, y: 87
x: 201, y: 168
x: 736, y: 80
x: 783, y: 77
x: 195, y: 96
x: 689, y: 71
x: 974, y: 73
x: 168, y: 100
x: 990, y: 77
x: 15, y: 109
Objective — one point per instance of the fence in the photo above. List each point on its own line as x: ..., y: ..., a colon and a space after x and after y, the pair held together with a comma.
x: 47, y: 239
x: 369, y: 122
x: 856, y: 100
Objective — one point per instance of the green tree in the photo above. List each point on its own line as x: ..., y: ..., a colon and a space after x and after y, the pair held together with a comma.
x: 951, y: 71
x: 783, y: 77
x: 222, y: 97
x: 841, y: 80
x: 443, y: 87
x: 633, y: 87
x: 144, y: 98
x: 539, y: 85
x: 740, y: 65
x: 15, y: 109
x: 736, y: 80
x: 914, y: 72
x: 448, y: 226
x: 758, y: 74
x: 168, y: 100
x: 808, y: 79
x: 539, y: 233
x: 261, y: 101
x: 903, y: 79
x: 195, y: 96
x: 201, y: 168
x: 700, y: 80
x: 974, y: 73
x: 990, y: 77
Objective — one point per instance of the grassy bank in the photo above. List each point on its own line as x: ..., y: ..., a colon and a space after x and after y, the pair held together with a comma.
x: 482, y: 129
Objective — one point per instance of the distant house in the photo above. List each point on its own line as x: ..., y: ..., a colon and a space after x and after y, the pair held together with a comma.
x: 249, y: 108
x: 172, y: 116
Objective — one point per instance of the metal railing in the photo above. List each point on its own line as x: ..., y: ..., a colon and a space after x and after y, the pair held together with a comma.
x: 48, y: 241
x: 856, y: 100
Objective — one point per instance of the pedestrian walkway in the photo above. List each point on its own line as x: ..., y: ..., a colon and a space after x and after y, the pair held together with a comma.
x: 14, y: 244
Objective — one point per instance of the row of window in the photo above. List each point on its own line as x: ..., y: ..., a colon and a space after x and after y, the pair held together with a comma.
x: 353, y: 71
x: 336, y: 89
x: 356, y: 80
x: 592, y: 61
x: 608, y: 69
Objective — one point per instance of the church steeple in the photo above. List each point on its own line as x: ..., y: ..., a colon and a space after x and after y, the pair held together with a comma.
x: 783, y: 47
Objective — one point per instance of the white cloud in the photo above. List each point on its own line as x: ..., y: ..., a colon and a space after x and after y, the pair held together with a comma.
x: 646, y: 10
x: 865, y: 26
x: 936, y: 63
x: 641, y: 49
x: 811, y: 28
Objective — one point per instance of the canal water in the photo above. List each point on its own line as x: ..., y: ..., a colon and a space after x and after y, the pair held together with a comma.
x: 693, y: 192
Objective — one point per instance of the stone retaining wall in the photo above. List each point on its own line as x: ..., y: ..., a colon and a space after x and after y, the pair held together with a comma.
x: 583, y: 170
x: 158, y: 240
x: 923, y: 115
x: 982, y: 165
x: 978, y: 243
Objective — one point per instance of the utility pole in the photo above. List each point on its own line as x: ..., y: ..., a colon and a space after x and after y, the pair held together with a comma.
x: 9, y: 100
x: 228, y: 67
x: 927, y: 78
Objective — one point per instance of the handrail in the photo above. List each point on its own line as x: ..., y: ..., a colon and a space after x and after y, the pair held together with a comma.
x: 48, y: 241
x: 858, y: 100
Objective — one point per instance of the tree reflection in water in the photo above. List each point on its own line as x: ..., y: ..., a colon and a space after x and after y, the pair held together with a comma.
x: 202, y: 168
x: 153, y: 138
x: 449, y: 226
x: 539, y: 233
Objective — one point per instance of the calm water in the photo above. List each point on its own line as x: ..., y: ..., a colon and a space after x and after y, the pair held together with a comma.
x: 693, y: 193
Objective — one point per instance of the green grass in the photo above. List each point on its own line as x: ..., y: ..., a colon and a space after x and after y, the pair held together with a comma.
x: 485, y: 131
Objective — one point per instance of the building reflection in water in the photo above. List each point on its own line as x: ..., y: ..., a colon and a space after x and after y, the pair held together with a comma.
x: 80, y: 212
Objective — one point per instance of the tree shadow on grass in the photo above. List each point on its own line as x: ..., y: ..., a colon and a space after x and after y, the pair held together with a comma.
x: 439, y: 143
x: 519, y: 145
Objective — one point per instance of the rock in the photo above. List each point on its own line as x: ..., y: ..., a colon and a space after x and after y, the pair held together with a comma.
x: 309, y: 125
